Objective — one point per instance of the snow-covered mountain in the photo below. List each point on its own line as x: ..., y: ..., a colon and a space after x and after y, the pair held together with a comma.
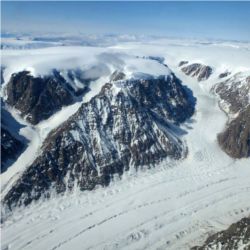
x: 125, y: 135
x: 129, y: 123
x: 234, y: 100
x: 234, y: 93
x: 37, y: 98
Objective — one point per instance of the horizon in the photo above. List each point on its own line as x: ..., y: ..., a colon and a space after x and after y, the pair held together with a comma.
x: 197, y: 20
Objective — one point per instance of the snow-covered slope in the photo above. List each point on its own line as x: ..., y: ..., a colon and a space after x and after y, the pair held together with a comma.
x: 169, y: 206
x: 174, y: 205
x: 100, y: 63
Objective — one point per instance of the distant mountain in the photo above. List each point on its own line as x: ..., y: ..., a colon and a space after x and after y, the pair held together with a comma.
x: 24, y: 43
x: 200, y: 71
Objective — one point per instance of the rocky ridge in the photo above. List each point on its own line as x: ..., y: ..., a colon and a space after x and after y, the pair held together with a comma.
x: 237, y: 236
x: 11, y: 148
x: 234, y: 94
x: 12, y: 144
x: 235, y: 139
x: 200, y: 71
x: 224, y: 74
x: 130, y: 123
x: 39, y: 97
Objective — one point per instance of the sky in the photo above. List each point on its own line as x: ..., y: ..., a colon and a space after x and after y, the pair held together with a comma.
x: 218, y: 20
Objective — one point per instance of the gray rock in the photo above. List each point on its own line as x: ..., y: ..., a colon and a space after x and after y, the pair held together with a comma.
x: 202, y: 72
x: 234, y: 93
x: 224, y: 74
x: 12, y: 143
x: 37, y: 98
x: 233, y: 238
x: 234, y: 100
x: 182, y: 63
x: 117, y: 75
x: 235, y: 139
x: 11, y: 148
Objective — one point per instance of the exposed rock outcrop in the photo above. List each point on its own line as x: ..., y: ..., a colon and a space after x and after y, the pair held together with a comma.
x: 37, y: 98
x: 233, y: 93
x: 235, y: 139
x: 224, y: 74
x: 2, y: 79
x: 12, y: 144
x: 117, y: 75
x: 158, y: 59
x: 182, y: 63
x: 130, y: 123
x: 200, y: 71
x: 11, y: 148
x: 237, y: 236
x: 234, y: 100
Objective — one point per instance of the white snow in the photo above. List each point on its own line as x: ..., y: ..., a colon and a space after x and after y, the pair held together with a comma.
x: 221, y: 58
x: 95, y: 60
x: 172, y: 206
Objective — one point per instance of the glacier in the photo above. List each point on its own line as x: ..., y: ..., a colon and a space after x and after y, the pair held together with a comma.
x: 174, y: 205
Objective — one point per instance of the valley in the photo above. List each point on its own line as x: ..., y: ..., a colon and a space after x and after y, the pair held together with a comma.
x: 172, y: 204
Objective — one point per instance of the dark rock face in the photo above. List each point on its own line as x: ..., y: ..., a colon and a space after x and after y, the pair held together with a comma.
x: 11, y: 148
x: 12, y: 144
x: 182, y: 63
x: 2, y: 79
x: 235, y: 140
x: 128, y: 124
x: 236, y: 236
x: 234, y: 100
x: 158, y: 59
x: 234, y: 93
x: 117, y: 75
x: 202, y: 72
x: 37, y: 98
x: 225, y: 74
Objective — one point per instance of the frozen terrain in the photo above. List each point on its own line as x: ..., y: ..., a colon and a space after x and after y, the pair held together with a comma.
x: 174, y: 205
